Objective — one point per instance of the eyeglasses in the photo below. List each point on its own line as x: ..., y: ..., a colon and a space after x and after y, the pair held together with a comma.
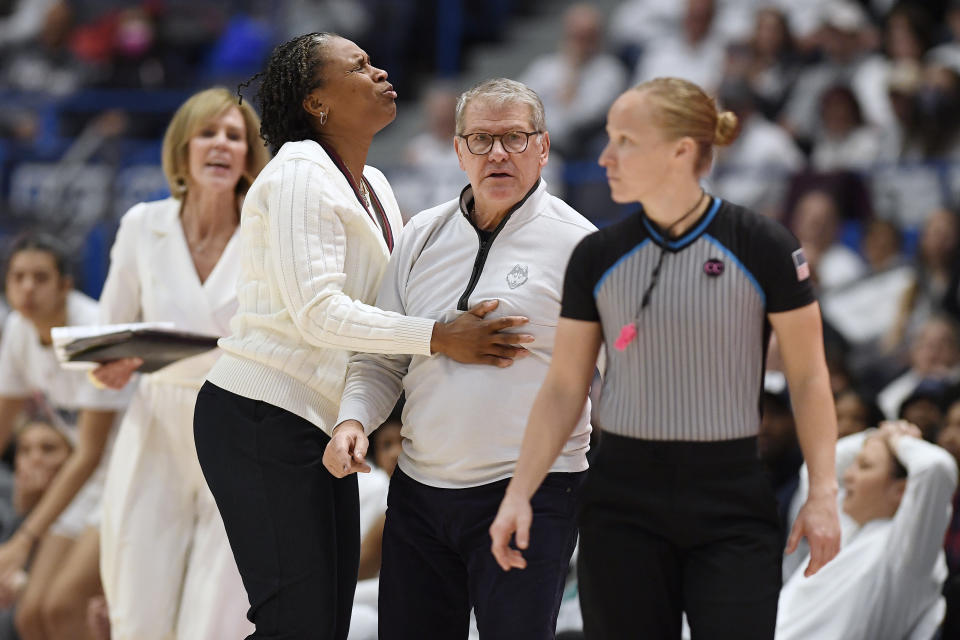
x: 481, y: 143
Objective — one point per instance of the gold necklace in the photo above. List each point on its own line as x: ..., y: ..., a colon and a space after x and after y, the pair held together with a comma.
x: 364, y: 192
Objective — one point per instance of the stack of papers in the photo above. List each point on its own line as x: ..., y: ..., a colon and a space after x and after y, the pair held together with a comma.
x: 158, y: 343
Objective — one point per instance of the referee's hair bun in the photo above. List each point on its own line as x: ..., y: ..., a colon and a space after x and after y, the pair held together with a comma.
x: 728, y: 126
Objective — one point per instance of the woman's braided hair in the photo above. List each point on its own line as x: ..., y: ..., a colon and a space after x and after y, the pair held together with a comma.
x: 292, y: 72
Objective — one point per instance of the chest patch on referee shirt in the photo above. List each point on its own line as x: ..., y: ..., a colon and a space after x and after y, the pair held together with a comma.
x: 517, y: 276
x: 713, y: 267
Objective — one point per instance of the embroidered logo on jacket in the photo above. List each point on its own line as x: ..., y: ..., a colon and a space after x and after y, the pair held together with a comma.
x: 517, y: 276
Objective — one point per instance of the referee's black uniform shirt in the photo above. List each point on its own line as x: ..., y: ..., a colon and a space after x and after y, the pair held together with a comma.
x: 695, y: 370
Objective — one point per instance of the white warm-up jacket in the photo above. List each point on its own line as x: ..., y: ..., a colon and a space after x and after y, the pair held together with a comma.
x: 463, y: 423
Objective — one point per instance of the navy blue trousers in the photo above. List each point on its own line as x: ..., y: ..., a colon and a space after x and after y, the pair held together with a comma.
x: 294, y: 528
x: 437, y: 563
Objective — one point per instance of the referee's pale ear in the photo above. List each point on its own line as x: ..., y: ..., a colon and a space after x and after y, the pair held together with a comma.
x: 686, y: 148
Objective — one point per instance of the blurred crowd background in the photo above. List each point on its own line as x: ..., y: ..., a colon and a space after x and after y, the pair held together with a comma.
x: 850, y: 115
x: 850, y: 136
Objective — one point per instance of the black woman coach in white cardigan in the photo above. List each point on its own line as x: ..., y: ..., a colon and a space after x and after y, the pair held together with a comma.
x: 317, y: 229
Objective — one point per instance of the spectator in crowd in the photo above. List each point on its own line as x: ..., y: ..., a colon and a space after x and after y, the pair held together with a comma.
x: 635, y: 25
x: 816, y: 223
x: 40, y: 451
x: 949, y: 439
x: 844, y: 50
x: 843, y: 141
x: 135, y: 61
x: 167, y: 568
x: 384, y: 452
x: 779, y: 450
x: 45, y: 63
x: 841, y: 378
x: 903, y: 83
x: 22, y: 20
x: 938, y: 114
x: 934, y: 354
x: 907, y: 35
x: 806, y: 21
x: 696, y: 54
x: 430, y: 168
x: 906, y: 182
x: 855, y: 412
x: 935, y: 259
x: 948, y: 53
x: 754, y: 170
x: 774, y: 63
x: 57, y: 534
x: 885, y: 582
x: 577, y: 83
x: 925, y: 408
x: 348, y: 18
x: 386, y: 444
x: 908, y: 32
x: 882, y: 245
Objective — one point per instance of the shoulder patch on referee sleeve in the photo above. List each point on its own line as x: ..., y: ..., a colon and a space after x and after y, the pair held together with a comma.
x: 801, y: 264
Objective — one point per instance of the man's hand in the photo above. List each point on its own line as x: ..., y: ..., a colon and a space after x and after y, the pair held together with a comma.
x: 472, y: 339
x: 819, y: 523
x: 347, y: 450
x: 513, y: 517
x: 116, y: 374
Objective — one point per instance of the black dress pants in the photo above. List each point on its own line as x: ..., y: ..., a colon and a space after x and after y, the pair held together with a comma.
x: 437, y: 563
x: 674, y: 527
x: 294, y: 529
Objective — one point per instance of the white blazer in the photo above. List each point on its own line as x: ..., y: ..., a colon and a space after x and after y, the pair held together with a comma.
x: 152, y: 278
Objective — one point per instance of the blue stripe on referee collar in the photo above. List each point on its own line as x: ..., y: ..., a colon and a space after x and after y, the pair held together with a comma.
x: 596, y: 288
x: 736, y: 261
x: 686, y: 238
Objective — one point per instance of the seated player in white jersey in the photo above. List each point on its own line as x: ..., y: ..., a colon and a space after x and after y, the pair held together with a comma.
x: 60, y: 534
x: 887, y: 578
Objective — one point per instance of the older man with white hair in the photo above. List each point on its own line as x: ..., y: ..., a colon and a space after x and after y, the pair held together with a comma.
x: 505, y: 238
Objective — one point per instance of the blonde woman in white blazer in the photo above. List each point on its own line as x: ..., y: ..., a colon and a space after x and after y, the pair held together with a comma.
x: 166, y: 564
x: 317, y: 229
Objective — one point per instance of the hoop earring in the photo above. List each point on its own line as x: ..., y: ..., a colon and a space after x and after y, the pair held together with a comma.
x: 323, y: 118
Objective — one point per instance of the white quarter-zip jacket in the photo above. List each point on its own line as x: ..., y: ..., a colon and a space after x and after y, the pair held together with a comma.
x: 463, y: 423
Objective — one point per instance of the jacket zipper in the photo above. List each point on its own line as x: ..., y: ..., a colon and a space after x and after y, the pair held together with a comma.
x: 463, y: 304
x: 481, y: 259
